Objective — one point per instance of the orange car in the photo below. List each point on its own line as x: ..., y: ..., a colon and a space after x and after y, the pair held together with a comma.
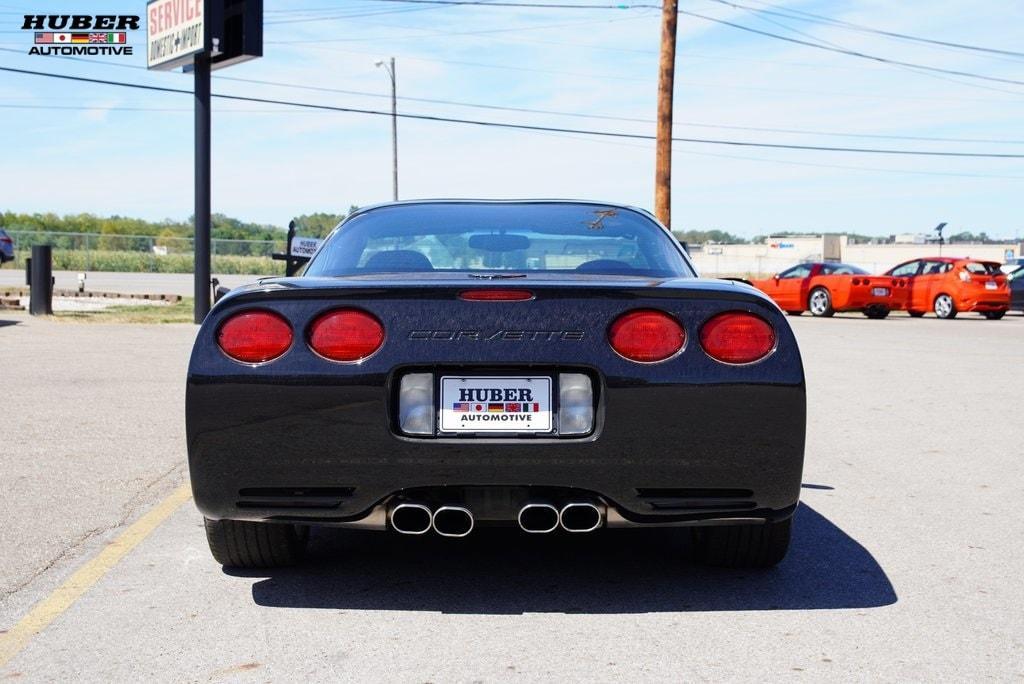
x: 949, y: 285
x: 824, y: 288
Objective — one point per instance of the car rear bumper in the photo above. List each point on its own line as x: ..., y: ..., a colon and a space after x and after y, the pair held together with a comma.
x: 984, y: 304
x: 671, y: 453
x: 862, y: 298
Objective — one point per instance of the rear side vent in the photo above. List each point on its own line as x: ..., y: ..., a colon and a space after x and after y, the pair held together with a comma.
x: 293, y: 497
x: 696, y: 500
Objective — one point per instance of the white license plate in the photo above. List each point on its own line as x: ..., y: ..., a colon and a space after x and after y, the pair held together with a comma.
x: 990, y: 285
x: 495, y: 404
x: 880, y: 291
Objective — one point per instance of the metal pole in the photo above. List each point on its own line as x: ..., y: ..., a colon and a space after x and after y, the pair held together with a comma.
x: 666, y: 77
x: 201, y: 242
x: 40, y: 302
x: 394, y: 130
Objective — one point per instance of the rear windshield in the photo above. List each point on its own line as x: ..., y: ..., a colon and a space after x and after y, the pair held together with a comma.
x: 842, y: 269
x: 468, y: 237
x: 982, y: 267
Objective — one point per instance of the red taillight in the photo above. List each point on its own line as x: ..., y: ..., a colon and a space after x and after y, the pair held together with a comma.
x: 495, y: 295
x: 646, y: 336
x: 856, y: 281
x: 737, y: 337
x: 6, y: 240
x: 255, y: 336
x: 346, y: 335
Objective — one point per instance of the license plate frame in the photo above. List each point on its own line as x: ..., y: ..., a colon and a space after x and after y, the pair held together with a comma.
x: 879, y: 292
x: 991, y: 285
x: 523, y: 404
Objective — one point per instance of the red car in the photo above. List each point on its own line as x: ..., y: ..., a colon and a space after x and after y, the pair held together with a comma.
x: 824, y: 288
x: 949, y: 285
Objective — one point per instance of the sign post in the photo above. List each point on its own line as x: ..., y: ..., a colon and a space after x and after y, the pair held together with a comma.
x: 201, y: 237
x: 202, y: 35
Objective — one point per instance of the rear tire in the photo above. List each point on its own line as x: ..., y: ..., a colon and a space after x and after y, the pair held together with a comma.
x: 819, y: 302
x: 876, y: 312
x: 944, y: 307
x: 743, y: 546
x: 994, y: 315
x: 244, y: 544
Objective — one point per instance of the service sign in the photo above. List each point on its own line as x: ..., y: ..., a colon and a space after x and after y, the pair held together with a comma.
x: 175, y: 32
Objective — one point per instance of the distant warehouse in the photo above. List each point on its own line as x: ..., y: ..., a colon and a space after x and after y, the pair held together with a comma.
x: 774, y: 254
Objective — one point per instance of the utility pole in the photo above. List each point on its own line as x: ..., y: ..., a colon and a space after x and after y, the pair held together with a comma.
x: 666, y: 78
x: 201, y: 236
x: 390, y: 68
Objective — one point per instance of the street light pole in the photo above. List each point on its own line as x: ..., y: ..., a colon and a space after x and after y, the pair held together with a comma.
x: 390, y: 68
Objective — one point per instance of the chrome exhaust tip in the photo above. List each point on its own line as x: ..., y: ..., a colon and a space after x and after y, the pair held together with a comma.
x: 538, y: 518
x: 581, y: 516
x: 410, y: 518
x: 452, y: 521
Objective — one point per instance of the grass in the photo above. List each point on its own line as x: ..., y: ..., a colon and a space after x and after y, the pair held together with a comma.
x: 180, y: 312
x: 144, y: 262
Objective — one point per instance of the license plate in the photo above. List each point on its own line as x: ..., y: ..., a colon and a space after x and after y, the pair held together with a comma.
x: 880, y: 291
x: 495, y: 404
x: 990, y: 285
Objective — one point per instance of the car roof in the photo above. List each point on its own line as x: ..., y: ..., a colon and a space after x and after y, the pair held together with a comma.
x: 499, y: 202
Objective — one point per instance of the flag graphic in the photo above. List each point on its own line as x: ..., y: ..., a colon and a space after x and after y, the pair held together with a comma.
x: 462, y: 407
x: 495, y: 408
x: 513, y: 408
x: 79, y: 37
x: 44, y: 38
x: 55, y: 37
x: 478, y: 407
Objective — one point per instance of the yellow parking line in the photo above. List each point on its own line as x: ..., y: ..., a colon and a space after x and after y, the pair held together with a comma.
x: 64, y: 596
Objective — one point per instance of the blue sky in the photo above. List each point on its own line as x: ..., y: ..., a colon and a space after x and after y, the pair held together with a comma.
x: 112, y: 150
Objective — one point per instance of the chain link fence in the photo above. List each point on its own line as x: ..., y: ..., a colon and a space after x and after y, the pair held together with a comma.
x: 145, y: 253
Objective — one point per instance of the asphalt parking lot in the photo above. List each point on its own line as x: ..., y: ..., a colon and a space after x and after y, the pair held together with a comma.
x: 906, y: 561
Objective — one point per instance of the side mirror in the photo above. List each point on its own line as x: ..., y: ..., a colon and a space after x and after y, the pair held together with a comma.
x: 776, y: 276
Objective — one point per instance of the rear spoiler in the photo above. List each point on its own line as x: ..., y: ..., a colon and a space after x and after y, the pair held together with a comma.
x: 739, y: 280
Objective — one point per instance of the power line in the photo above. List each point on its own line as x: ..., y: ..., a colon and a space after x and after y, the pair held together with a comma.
x: 530, y: 5
x: 529, y: 127
x: 431, y: 34
x: 790, y: 162
x: 839, y: 50
x: 820, y: 19
x: 580, y: 115
x: 843, y: 51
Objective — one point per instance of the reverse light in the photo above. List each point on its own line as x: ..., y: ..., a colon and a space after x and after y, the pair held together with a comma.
x: 416, y: 404
x: 575, y: 404
x: 737, y: 337
x: 255, y: 336
x: 346, y: 335
x: 646, y: 336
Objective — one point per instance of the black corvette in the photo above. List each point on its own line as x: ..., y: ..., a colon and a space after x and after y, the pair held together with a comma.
x: 445, y: 366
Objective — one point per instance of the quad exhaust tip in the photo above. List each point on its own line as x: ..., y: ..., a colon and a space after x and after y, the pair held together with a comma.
x: 581, y: 516
x: 411, y: 518
x: 452, y: 521
x: 538, y: 518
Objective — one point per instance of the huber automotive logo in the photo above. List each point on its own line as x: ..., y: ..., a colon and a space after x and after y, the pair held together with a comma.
x: 80, y: 34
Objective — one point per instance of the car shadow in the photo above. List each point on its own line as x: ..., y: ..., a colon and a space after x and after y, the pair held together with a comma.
x: 503, y: 571
x: 5, y: 322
